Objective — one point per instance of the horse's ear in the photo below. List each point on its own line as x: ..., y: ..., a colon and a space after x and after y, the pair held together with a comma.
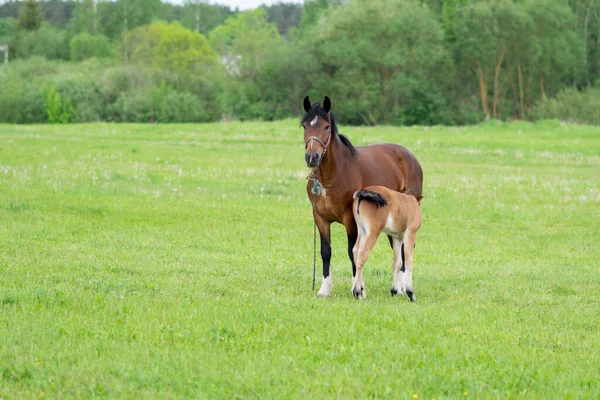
x: 307, y: 105
x: 327, y: 104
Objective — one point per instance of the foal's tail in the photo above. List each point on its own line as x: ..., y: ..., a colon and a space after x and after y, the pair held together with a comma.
x: 371, y: 197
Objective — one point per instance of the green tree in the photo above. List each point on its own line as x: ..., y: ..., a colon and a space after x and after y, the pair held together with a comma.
x: 58, y: 12
x: 382, y: 61
x: 124, y: 15
x: 47, y: 41
x: 171, y: 47
x: 285, y: 16
x: 205, y: 17
x: 486, y: 35
x: 557, y: 43
x: 83, y: 18
x: 284, y: 78
x: 521, y: 52
x: 586, y: 24
x: 511, y: 49
x: 245, y: 41
x: 8, y: 29
x: 245, y: 44
x: 312, y: 12
x: 84, y: 46
x: 448, y: 12
x: 30, y: 15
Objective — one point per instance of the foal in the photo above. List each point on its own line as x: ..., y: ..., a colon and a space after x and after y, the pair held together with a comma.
x: 378, y: 209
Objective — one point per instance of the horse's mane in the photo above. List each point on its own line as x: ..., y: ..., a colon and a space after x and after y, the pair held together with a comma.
x: 318, y: 111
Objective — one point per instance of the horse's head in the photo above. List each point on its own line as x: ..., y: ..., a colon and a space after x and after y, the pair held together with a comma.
x: 318, y: 127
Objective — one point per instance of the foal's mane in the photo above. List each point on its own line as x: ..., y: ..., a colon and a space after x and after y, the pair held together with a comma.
x: 318, y: 111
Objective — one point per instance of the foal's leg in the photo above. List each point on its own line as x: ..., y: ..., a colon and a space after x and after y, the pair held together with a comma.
x: 355, y: 257
x: 409, y: 243
x: 398, y: 260
x: 402, y: 256
x: 352, y: 240
x: 325, y: 233
x: 352, y: 232
x: 364, y: 247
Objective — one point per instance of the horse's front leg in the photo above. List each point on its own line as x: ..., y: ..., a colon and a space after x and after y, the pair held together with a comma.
x: 325, y: 234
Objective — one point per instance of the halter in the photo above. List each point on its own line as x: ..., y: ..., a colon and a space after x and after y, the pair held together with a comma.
x: 324, y: 145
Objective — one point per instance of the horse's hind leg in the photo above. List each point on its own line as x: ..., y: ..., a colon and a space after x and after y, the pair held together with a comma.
x: 409, y: 242
x: 365, y: 245
x: 398, y: 260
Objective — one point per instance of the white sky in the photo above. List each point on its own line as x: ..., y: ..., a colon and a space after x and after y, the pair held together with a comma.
x: 241, y: 4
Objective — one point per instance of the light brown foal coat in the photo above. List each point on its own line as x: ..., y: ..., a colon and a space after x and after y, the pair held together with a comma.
x: 378, y: 209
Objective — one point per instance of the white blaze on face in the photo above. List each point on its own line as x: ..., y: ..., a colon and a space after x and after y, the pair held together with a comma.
x: 314, y: 121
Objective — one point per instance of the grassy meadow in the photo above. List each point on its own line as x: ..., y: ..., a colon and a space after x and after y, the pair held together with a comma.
x: 175, y: 261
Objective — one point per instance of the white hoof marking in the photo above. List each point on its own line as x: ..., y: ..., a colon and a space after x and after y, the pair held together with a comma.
x: 325, y: 289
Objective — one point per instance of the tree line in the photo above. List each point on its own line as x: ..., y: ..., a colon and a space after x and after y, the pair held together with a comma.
x: 400, y: 62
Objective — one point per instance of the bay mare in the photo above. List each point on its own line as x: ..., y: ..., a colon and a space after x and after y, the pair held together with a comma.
x: 340, y: 169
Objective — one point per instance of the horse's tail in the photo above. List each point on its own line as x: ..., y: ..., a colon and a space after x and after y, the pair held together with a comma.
x: 371, y: 197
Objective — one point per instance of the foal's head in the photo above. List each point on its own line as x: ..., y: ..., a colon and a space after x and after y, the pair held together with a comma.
x: 318, y: 127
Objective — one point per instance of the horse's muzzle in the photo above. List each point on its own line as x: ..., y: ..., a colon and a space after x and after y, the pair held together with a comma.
x: 312, y: 159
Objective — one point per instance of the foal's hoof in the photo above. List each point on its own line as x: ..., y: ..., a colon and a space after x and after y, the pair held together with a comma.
x: 360, y: 294
x: 411, y: 296
x: 394, y: 291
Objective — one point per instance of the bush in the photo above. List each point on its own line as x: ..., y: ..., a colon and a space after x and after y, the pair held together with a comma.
x: 24, y: 101
x: 12, y: 87
x: 135, y: 106
x: 84, y: 92
x: 181, y: 107
x: 57, y: 110
x: 40, y: 90
x: 34, y: 105
x: 84, y: 46
x: 21, y: 100
x: 47, y: 42
x: 34, y: 68
x: 158, y: 104
x: 8, y: 29
x: 570, y: 105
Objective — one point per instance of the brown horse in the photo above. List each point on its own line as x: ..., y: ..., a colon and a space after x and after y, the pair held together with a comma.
x: 378, y: 209
x: 340, y: 169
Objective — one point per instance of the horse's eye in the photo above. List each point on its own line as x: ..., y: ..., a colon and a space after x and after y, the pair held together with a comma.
x: 327, y: 127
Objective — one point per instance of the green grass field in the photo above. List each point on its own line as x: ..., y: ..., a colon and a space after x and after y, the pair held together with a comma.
x: 175, y: 261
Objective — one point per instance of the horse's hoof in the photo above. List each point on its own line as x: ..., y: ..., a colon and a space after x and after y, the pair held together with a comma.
x: 411, y: 296
x: 326, y: 286
x: 393, y: 291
